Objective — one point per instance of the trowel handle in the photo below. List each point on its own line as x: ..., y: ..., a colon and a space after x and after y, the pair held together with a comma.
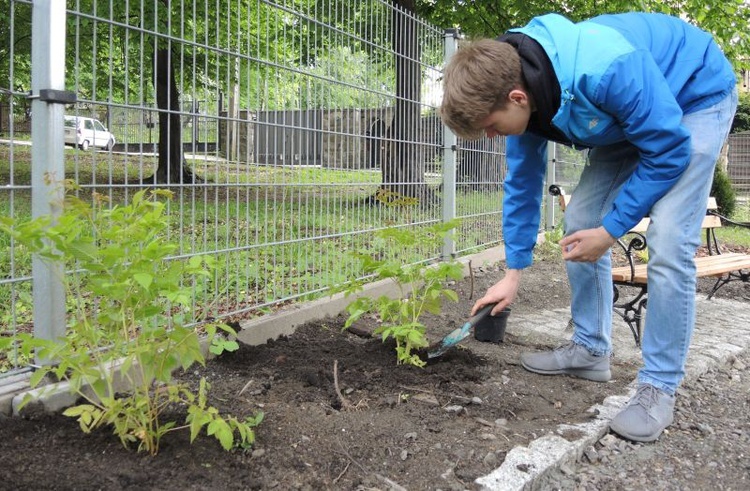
x: 481, y: 314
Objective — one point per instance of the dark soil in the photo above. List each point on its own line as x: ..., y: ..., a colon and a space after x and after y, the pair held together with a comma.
x: 438, y: 427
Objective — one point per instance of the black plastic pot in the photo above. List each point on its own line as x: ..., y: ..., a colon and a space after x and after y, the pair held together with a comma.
x: 491, y: 329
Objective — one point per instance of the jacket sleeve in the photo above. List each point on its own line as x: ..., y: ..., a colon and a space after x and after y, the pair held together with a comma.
x: 526, y: 158
x: 635, y: 92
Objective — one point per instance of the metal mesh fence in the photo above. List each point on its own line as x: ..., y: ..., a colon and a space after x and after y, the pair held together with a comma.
x: 288, y: 132
x: 564, y: 169
x: 15, y: 185
x: 738, y: 164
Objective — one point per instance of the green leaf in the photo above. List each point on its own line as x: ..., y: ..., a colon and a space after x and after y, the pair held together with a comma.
x: 78, y: 410
x: 213, y: 427
x: 83, y: 250
x: 227, y: 329
x: 231, y: 345
x: 451, y: 295
x: 144, y: 279
x: 37, y: 377
x: 255, y: 420
x: 225, y: 435
x: 219, y: 345
x: 197, y: 419
x: 417, y: 339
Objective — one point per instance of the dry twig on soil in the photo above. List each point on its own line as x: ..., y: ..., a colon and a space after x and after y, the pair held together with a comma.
x: 345, y: 404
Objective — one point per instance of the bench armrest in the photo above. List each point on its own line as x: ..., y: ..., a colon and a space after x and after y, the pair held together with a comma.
x: 556, y: 190
x: 637, y: 242
x: 723, y: 219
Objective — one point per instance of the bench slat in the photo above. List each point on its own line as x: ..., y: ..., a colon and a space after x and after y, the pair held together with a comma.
x: 706, y: 266
x: 709, y: 221
x: 718, y: 268
x: 564, y: 200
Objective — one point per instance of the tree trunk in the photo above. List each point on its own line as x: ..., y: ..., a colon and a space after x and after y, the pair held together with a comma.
x: 403, y: 163
x: 172, y: 168
x: 479, y: 164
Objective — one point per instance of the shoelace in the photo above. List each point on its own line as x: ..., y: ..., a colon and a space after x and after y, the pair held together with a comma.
x: 566, y: 347
x: 646, y: 396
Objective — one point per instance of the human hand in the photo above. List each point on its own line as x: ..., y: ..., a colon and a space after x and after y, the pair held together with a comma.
x: 503, y: 293
x: 586, y: 245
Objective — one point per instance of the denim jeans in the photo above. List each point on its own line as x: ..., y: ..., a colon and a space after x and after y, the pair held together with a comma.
x: 673, y: 237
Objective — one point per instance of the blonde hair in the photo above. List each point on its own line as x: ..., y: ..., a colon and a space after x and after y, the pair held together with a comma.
x: 476, y: 82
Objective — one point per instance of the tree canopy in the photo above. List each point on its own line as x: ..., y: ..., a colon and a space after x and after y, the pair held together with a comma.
x: 727, y: 20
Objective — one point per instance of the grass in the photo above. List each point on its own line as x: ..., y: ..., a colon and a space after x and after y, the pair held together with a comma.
x: 736, y: 236
x: 731, y: 235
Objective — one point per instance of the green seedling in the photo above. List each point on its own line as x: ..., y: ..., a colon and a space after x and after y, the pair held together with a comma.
x: 421, y: 288
x: 129, y: 306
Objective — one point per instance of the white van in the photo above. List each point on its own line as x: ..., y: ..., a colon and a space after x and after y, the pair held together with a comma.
x: 87, y: 132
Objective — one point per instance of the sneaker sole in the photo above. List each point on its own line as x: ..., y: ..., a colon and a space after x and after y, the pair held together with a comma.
x: 636, y: 438
x: 593, y: 375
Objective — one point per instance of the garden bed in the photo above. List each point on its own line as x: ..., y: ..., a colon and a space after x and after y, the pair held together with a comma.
x: 437, y: 427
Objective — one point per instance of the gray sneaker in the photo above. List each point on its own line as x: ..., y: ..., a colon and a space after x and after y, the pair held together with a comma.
x: 571, y: 359
x: 647, y: 414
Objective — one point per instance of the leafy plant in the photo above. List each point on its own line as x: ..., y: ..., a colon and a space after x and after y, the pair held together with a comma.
x: 550, y: 248
x: 129, y: 310
x: 642, y: 255
x: 722, y: 190
x: 421, y: 288
x: 741, y: 121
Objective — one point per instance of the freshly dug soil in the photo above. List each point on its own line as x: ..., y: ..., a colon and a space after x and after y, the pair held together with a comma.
x: 388, y: 425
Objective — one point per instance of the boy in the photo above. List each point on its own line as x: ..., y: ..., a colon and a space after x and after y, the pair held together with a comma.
x: 653, y: 99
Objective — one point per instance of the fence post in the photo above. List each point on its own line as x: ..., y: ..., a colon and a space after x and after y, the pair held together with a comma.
x: 450, y: 147
x: 47, y: 154
x: 549, y: 218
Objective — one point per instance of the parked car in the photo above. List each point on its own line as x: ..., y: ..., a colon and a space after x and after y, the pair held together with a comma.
x: 87, y: 132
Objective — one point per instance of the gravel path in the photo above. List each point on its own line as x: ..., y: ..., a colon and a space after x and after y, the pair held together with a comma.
x: 706, y: 448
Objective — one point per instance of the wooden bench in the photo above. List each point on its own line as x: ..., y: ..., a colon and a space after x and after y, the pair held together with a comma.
x: 725, y: 267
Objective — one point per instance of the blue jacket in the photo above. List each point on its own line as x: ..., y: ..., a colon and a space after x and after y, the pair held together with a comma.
x: 624, y: 77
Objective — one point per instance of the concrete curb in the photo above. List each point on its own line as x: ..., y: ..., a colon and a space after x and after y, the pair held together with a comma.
x: 722, y: 332
x: 10, y: 388
x: 57, y: 396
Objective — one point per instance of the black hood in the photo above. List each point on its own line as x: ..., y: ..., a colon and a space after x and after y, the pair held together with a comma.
x: 541, y: 81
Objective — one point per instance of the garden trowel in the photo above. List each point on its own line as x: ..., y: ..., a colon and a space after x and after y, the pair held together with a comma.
x: 458, y: 335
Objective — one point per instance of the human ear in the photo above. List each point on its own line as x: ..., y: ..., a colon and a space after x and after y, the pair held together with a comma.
x: 518, y: 96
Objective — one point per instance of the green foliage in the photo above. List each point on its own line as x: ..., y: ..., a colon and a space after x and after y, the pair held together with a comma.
x: 421, y: 289
x: 340, y: 75
x: 550, y: 249
x: 642, y: 255
x: 742, y: 118
x: 721, y: 189
x: 128, y: 311
x: 725, y: 19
